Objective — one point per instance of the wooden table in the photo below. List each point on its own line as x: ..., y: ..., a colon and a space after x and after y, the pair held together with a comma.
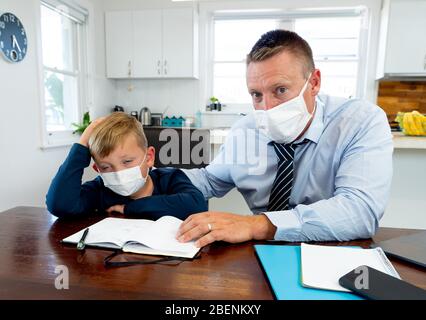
x: 30, y: 250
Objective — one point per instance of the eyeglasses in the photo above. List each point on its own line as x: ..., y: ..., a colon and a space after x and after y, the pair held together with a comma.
x: 124, y: 262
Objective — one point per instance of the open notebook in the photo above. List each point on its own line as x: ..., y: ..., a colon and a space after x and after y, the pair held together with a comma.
x: 137, y: 236
x: 323, y: 266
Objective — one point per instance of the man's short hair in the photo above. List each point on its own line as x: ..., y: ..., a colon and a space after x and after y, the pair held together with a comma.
x: 276, y: 41
x: 113, y: 131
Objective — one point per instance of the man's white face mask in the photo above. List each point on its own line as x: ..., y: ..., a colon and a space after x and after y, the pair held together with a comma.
x: 285, y: 122
x: 125, y: 182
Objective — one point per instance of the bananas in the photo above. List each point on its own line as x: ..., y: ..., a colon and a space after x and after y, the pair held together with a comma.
x: 412, y: 123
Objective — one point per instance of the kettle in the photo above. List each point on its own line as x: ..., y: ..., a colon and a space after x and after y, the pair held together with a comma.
x: 145, y: 116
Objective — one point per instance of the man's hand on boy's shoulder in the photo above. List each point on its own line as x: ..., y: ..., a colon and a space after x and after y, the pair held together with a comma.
x: 118, y: 208
x: 84, y: 139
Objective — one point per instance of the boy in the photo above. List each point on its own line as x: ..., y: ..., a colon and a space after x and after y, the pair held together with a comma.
x: 126, y: 184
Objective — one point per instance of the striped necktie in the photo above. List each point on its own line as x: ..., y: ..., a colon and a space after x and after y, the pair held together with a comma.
x: 281, y: 189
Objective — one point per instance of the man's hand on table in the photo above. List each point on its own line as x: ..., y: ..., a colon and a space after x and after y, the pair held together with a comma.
x: 210, y: 226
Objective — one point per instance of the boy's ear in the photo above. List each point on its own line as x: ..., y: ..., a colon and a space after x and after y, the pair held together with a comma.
x: 150, y: 156
x: 95, y: 167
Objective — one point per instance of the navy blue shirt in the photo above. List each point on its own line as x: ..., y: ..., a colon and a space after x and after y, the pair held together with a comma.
x: 173, y: 193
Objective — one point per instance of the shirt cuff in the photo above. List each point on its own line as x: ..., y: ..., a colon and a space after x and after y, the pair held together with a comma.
x: 289, y: 227
x: 130, y: 208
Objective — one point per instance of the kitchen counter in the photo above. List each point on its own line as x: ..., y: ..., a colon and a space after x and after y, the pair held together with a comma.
x: 218, y: 135
x: 401, y: 141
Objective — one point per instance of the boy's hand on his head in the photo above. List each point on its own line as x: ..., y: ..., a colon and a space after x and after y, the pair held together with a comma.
x: 118, y: 208
x: 84, y: 139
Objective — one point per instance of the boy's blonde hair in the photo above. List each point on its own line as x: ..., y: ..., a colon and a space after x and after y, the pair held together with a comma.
x: 112, y: 131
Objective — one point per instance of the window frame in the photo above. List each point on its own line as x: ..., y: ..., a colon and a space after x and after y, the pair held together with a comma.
x: 288, y: 18
x: 55, y: 139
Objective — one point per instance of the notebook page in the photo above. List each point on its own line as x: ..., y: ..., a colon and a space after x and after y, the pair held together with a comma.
x: 109, y: 231
x: 161, y: 236
x: 134, y: 247
x: 322, y: 266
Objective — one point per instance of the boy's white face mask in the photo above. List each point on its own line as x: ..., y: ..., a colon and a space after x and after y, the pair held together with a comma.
x: 125, y: 182
x: 285, y: 122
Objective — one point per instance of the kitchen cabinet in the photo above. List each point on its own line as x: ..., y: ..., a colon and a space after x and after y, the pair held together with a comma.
x: 119, y: 41
x: 402, y: 47
x: 152, y: 43
x: 147, y: 44
x: 180, y: 43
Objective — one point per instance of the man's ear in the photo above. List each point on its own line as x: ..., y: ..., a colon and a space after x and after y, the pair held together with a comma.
x: 315, y: 82
x: 150, y: 156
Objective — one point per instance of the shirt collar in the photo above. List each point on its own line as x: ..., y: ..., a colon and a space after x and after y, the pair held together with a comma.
x: 317, y: 125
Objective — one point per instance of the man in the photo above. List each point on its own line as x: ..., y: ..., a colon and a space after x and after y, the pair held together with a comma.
x: 328, y: 161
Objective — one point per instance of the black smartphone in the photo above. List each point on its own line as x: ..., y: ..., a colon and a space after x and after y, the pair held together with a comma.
x: 376, y: 285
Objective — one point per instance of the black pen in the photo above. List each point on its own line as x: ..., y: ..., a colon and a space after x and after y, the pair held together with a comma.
x: 81, y: 244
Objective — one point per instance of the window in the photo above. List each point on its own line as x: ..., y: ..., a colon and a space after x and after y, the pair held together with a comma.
x: 335, y: 45
x: 334, y: 39
x: 233, y: 40
x: 64, y: 67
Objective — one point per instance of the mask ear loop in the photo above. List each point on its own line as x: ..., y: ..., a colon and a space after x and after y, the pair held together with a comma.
x: 303, y: 91
x: 144, y: 158
x: 305, y: 85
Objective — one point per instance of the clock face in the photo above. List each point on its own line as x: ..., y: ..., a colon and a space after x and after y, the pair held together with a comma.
x: 13, y: 39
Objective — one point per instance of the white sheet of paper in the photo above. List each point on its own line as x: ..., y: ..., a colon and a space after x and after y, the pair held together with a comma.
x: 323, y: 266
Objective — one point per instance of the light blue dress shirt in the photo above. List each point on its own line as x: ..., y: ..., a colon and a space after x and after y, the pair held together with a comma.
x: 342, y: 172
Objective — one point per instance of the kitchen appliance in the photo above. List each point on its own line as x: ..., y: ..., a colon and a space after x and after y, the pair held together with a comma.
x: 134, y: 114
x: 145, y: 117
x: 156, y: 119
x: 118, y: 109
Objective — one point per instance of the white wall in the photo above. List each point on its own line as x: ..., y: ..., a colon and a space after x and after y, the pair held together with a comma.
x: 26, y: 170
x: 104, y: 89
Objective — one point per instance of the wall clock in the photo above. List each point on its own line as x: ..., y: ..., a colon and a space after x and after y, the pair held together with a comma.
x: 13, y: 39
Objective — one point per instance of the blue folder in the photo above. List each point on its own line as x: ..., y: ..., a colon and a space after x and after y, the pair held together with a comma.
x: 282, y: 267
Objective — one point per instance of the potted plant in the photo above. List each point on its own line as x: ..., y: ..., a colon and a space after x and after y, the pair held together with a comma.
x: 215, y: 104
x: 82, y: 126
